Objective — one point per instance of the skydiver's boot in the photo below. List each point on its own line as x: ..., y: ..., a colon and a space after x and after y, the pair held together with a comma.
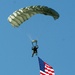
x: 32, y: 55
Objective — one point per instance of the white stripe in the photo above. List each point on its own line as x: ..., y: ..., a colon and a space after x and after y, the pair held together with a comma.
x: 49, y: 69
x: 43, y: 73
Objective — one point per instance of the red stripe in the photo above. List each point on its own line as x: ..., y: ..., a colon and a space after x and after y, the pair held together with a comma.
x: 48, y: 69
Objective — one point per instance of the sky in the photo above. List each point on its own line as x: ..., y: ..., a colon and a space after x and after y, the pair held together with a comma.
x: 56, y: 38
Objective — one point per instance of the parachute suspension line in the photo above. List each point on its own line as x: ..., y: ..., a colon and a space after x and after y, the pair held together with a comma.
x: 29, y: 37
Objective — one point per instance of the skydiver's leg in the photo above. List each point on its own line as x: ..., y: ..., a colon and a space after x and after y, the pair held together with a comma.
x: 32, y: 54
x: 36, y: 52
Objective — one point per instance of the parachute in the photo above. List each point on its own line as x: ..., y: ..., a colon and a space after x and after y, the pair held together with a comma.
x: 23, y: 14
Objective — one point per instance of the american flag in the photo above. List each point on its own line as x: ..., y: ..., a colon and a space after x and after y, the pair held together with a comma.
x: 45, y: 69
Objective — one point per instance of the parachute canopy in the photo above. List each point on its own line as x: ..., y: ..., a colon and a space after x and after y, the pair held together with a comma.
x: 23, y: 14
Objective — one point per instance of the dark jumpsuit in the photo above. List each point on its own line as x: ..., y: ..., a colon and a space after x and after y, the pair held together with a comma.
x: 34, y: 50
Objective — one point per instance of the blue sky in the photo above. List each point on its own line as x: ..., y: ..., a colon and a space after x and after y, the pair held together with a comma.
x: 56, y: 38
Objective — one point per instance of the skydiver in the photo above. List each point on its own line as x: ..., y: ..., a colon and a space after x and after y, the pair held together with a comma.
x: 34, y: 49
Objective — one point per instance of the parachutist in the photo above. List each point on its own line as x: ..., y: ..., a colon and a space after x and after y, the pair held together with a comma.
x: 34, y: 49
